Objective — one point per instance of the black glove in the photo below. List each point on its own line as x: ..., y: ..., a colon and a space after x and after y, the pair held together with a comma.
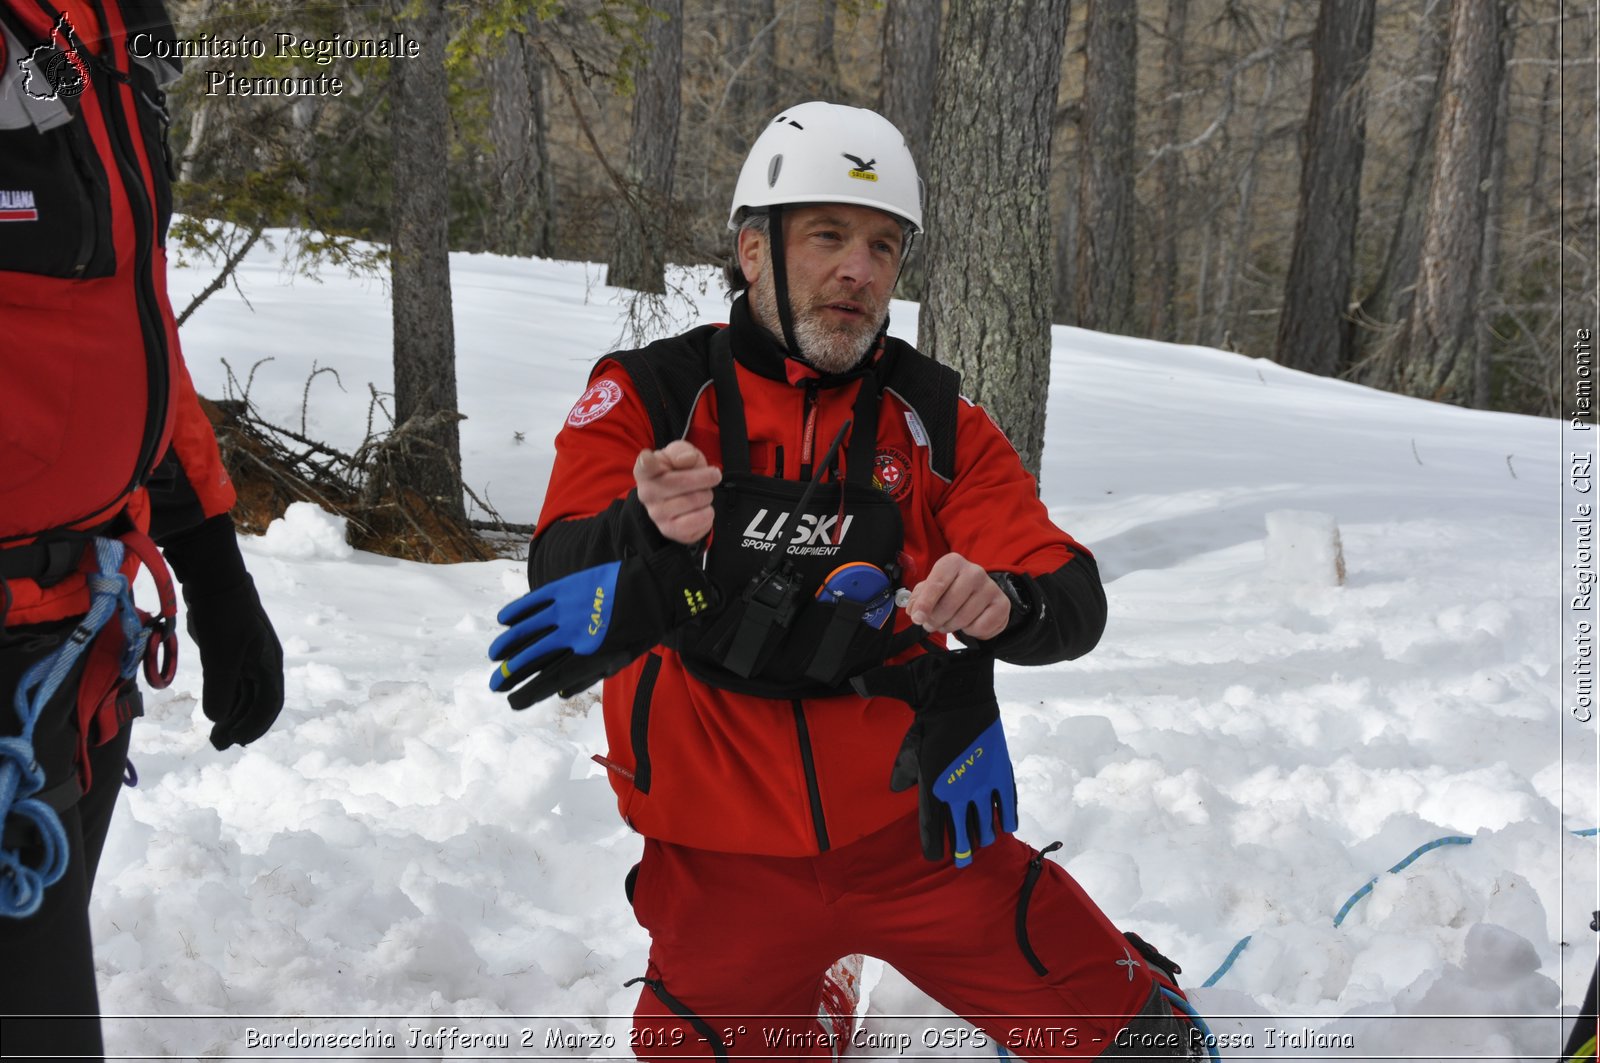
x: 574, y: 631
x: 955, y: 750
x: 240, y: 659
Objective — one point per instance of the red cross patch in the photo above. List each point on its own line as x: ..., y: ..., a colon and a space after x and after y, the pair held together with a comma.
x: 891, y: 473
x: 595, y: 403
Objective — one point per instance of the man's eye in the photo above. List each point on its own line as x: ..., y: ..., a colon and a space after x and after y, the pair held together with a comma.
x: 827, y: 235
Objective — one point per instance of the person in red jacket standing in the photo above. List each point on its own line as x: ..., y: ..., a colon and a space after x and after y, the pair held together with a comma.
x: 107, y: 454
x: 762, y: 534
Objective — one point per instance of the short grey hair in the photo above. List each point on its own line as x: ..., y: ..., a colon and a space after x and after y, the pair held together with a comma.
x: 732, y: 274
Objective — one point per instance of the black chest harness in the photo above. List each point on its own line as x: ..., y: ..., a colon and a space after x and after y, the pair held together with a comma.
x: 807, y: 569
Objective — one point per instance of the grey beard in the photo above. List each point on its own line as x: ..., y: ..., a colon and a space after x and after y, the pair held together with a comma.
x: 825, y: 349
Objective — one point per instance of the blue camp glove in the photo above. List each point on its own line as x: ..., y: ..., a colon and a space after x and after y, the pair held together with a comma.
x: 955, y: 750
x: 574, y: 631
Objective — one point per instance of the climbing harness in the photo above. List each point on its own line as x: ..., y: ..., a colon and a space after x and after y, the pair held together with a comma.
x: 144, y: 639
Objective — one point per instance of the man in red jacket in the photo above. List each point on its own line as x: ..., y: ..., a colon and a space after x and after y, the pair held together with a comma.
x: 106, y: 448
x: 749, y: 506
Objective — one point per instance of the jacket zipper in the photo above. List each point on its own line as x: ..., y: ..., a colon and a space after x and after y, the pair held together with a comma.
x: 808, y: 434
x: 808, y: 762
x: 139, y: 199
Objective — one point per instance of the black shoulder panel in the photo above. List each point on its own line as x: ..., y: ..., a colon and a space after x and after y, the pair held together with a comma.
x: 932, y: 389
x: 669, y: 374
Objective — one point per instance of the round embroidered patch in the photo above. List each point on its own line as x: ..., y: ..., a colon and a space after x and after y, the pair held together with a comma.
x: 599, y: 399
x: 891, y: 473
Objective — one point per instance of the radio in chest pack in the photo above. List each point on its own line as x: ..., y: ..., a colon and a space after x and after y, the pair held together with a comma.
x: 774, y: 546
x: 809, y: 583
x: 807, y: 570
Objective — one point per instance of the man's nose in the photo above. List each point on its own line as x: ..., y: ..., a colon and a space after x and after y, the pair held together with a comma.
x: 855, y: 268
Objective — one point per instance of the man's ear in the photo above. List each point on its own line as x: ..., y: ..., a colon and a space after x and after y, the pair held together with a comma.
x: 752, y: 253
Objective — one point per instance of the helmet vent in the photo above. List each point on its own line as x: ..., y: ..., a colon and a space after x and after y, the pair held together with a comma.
x: 773, y: 169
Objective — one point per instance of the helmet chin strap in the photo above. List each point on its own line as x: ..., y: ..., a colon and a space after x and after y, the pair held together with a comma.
x: 780, y: 281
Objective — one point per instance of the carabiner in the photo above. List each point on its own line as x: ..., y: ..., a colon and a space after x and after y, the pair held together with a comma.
x: 160, y: 653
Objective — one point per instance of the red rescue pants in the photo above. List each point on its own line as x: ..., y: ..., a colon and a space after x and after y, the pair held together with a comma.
x: 1010, y: 943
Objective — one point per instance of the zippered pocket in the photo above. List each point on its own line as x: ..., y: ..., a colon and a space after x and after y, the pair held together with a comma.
x: 639, y: 723
x: 55, y: 207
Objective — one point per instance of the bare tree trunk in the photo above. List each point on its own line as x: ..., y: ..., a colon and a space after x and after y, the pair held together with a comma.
x: 1066, y: 251
x: 1105, y: 217
x: 822, y: 50
x: 910, y: 56
x: 1000, y: 65
x: 1233, y: 254
x: 910, y: 63
x: 1494, y: 225
x: 196, y: 140
x: 1202, y: 287
x: 1577, y: 203
x: 1389, y: 302
x: 753, y: 48
x: 424, y: 331
x: 1538, y: 202
x: 1314, y: 327
x: 638, y: 246
x: 521, y: 219
x: 1169, y: 176
x: 1436, y: 339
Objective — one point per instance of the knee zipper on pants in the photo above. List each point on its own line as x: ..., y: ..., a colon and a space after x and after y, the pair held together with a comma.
x: 678, y: 1008
x: 1035, y: 869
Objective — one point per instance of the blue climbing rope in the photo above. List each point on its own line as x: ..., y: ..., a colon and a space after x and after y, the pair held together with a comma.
x: 1210, y: 1040
x: 1451, y: 839
x: 1355, y: 898
x: 22, y: 885
x: 1220, y: 971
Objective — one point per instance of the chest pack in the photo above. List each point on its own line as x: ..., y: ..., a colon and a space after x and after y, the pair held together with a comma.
x: 87, y: 368
x: 807, y: 568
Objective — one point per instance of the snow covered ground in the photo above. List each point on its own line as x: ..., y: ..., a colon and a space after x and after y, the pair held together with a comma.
x: 1248, y: 746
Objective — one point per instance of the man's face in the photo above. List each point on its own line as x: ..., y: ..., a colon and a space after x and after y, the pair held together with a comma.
x: 842, y: 264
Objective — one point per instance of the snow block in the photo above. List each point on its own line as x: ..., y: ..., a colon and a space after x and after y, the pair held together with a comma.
x: 306, y: 532
x: 1304, y: 547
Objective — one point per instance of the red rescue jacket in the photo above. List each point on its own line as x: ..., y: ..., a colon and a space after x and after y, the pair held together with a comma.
x: 94, y: 395
x: 706, y: 767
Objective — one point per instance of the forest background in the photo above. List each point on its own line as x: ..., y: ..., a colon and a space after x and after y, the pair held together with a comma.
x: 1400, y: 194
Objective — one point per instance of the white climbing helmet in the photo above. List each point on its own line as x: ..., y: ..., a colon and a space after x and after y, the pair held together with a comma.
x: 829, y: 153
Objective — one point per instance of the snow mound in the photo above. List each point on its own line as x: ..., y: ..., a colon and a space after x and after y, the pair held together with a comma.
x: 306, y: 532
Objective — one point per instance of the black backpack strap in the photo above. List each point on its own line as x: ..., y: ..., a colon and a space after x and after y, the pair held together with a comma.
x: 641, y: 371
x: 932, y: 390
x: 47, y: 560
x: 669, y: 375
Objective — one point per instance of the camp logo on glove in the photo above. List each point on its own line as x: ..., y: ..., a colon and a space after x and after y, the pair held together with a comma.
x: 567, y: 616
x: 961, y: 768
x: 954, y: 751
x: 572, y: 632
x: 695, y: 601
x: 975, y: 789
